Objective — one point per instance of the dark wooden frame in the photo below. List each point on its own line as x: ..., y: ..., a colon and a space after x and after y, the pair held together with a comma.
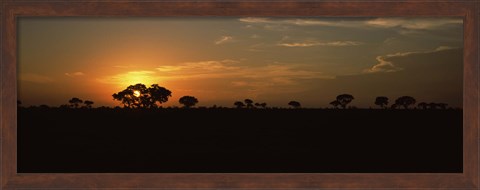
x: 11, y: 10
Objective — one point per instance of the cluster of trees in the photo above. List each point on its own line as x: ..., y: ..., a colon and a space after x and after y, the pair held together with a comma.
x: 77, y: 103
x: 404, y: 101
x: 342, y: 100
x: 249, y: 104
x: 141, y: 96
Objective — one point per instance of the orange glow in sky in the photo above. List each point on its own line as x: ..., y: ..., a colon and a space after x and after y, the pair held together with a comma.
x: 222, y: 60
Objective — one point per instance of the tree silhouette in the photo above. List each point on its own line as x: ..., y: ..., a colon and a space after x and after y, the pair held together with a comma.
x: 381, y: 101
x: 344, y: 99
x: 65, y: 106
x: 74, y: 102
x: 43, y: 106
x: 405, y: 101
x: 88, y: 103
x: 249, y: 103
x: 139, y: 96
x: 239, y: 104
x: 394, y: 106
x: 434, y: 106
x: 294, y: 104
x: 188, y: 101
x: 263, y: 105
x: 423, y: 105
x: 157, y: 94
x: 442, y: 106
x: 335, y: 103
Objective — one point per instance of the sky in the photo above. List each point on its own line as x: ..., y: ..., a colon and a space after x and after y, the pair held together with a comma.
x: 220, y: 60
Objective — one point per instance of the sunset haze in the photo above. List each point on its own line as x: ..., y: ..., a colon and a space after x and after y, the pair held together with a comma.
x: 220, y: 60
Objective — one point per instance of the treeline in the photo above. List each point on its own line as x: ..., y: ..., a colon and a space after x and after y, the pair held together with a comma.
x: 140, y: 96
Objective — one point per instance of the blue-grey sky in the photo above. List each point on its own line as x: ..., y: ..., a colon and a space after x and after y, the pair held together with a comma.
x: 223, y: 59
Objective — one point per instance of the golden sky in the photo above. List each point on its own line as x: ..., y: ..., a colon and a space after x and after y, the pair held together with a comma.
x: 223, y: 59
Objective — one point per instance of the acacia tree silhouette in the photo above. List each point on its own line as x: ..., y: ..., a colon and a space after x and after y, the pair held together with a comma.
x: 139, y: 96
x: 239, y: 104
x: 344, y: 99
x: 188, y: 101
x: 294, y: 104
x: 74, y: 102
x: 88, y: 103
x: 157, y: 94
x: 381, y: 101
x: 335, y: 103
x: 405, y: 101
x: 249, y: 103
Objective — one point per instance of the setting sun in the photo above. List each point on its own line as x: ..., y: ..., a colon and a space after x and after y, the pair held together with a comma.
x: 272, y: 60
x: 136, y: 93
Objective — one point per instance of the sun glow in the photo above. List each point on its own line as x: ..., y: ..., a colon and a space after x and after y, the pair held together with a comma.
x: 144, y: 77
x: 123, y: 80
x: 136, y: 93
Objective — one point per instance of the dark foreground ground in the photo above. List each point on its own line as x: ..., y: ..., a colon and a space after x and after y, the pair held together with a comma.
x: 239, y: 140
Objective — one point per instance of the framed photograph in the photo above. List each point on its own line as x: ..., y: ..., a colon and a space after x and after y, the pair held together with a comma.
x: 232, y: 94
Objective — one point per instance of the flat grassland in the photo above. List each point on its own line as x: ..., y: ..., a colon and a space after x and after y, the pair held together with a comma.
x: 227, y: 140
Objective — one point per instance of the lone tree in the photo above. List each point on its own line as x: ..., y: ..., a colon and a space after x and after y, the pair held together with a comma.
x: 294, y: 104
x: 405, y: 101
x: 139, y: 96
x: 239, y: 104
x: 249, y: 103
x: 74, y: 102
x: 344, y: 99
x: 381, y: 101
x: 188, y: 101
x: 335, y: 103
x: 88, y: 103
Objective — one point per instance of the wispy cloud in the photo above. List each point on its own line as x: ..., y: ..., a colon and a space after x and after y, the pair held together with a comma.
x: 315, y: 43
x: 274, y: 73
x: 227, y: 70
x: 405, y: 23
x: 298, y: 22
x: 255, y: 20
x: 35, y: 78
x: 223, y: 39
x: 75, y: 74
x: 384, y: 65
x: 413, y: 24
